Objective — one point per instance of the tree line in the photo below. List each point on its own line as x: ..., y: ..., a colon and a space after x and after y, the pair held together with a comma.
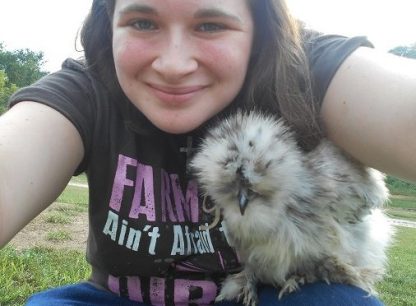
x: 18, y: 68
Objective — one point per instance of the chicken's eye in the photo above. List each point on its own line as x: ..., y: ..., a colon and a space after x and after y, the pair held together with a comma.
x: 252, y: 194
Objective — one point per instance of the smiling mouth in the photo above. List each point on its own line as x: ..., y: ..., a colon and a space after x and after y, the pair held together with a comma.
x: 175, y: 95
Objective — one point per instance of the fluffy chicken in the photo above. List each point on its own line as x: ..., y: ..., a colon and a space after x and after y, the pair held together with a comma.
x: 294, y: 217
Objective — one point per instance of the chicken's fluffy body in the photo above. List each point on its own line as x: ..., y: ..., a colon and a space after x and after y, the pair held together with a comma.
x: 310, y: 216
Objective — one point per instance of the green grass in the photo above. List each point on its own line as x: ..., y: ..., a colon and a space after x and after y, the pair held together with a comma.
x: 60, y: 235
x: 407, y: 203
x: 401, y: 214
x: 402, y: 208
x: 56, y: 217
x: 70, y: 209
x: 74, y: 195
x: 24, y: 272
x: 397, y: 186
x: 399, y: 287
x: 80, y: 179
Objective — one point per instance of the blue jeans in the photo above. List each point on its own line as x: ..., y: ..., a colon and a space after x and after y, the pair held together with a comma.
x: 318, y: 294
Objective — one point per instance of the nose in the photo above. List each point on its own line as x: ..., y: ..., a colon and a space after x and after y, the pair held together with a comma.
x: 175, y: 58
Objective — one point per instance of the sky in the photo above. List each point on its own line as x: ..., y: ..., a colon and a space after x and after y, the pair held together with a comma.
x: 51, y: 26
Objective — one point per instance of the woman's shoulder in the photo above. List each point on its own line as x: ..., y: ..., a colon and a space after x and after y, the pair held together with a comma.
x: 72, y: 87
x: 79, y: 96
x: 75, y: 64
x: 325, y: 53
x: 78, y: 71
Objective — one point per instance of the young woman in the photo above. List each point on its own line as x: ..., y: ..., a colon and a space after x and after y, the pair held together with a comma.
x: 157, y: 72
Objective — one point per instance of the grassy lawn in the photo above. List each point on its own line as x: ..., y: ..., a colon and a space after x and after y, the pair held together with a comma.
x: 25, y: 272
x: 400, y: 187
x: 402, y: 208
x: 398, y: 213
x: 74, y: 195
x: 80, y: 179
x: 399, y: 286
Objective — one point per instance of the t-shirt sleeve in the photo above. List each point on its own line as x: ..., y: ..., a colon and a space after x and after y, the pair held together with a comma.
x: 325, y: 54
x: 69, y: 91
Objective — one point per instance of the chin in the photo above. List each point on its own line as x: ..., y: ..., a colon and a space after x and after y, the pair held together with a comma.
x: 175, y: 126
x: 180, y: 120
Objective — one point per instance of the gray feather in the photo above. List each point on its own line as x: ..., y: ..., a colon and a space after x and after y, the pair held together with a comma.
x: 308, y: 217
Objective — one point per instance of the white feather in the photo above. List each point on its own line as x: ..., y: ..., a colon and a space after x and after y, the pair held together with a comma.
x: 313, y: 216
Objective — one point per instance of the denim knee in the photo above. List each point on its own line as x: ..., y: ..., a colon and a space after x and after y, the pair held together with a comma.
x: 78, y: 294
x: 319, y: 294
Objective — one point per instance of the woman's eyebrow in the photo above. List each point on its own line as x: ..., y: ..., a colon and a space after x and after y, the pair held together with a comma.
x: 215, y: 13
x: 138, y: 8
x: 201, y: 13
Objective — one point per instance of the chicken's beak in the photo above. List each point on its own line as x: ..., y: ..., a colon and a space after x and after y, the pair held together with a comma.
x: 243, y: 199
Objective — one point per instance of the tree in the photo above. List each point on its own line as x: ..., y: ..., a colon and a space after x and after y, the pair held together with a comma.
x: 6, y: 90
x: 18, y: 68
x: 405, y: 51
x: 23, y: 66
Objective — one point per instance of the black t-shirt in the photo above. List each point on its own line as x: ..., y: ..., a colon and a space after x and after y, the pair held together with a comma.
x: 147, y: 235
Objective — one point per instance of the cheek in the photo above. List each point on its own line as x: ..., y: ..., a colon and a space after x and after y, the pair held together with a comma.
x: 129, y: 56
x: 229, y: 60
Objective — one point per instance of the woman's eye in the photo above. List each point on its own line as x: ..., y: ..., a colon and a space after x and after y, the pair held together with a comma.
x: 210, y: 27
x: 144, y: 25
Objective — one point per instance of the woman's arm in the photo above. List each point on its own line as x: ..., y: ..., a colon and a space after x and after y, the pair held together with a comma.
x: 39, y: 151
x: 370, y: 111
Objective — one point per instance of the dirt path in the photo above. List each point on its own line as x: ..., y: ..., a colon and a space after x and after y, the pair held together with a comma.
x: 402, y: 197
x: 37, y: 233
x: 82, y: 185
x: 66, y: 221
x: 404, y: 223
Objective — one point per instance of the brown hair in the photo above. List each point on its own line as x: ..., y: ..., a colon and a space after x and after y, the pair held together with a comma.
x: 278, y: 79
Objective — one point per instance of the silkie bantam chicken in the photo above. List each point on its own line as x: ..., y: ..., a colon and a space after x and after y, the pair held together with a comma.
x: 293, y: 217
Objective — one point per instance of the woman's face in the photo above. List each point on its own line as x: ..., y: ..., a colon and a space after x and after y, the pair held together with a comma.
x: 181, y: 61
